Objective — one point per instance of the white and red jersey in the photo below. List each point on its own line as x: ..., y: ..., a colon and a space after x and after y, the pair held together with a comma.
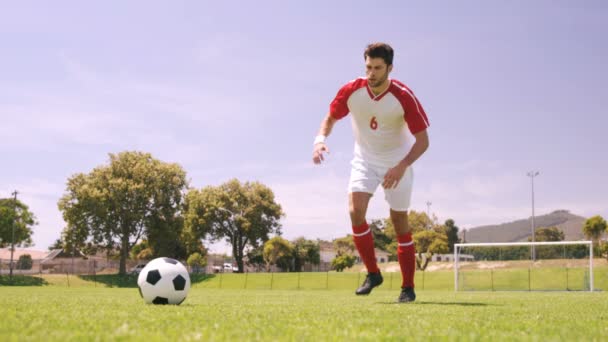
x: 380, y: 122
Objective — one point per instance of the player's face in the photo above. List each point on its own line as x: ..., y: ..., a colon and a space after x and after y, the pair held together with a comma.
x: 376, y: 71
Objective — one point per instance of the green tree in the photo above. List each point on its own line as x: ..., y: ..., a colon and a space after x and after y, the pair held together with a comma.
x: 278, y: 251
x: 145, y: 254
x: 383, y: 233
x: 305, y: 251
x: 593, y: 229
x: 72, y: 240
x: 117, y: 204
x: 138, y: 248
x: 197, y: 261
x: 25, y: 262
x: 451, y: 231
x: 419, y: 221
x: 17, y: 213
x: 604, y: 250
x: 431, y: 242
x: 344, y: 245
x: 255, y: 257
x: 342, y: 261
x: 58, y: 244
x: 244, y: 214
x: 548, y: 234
x: 427, y: 243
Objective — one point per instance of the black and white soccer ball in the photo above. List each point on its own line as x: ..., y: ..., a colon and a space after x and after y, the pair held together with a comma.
x: 164, y: 281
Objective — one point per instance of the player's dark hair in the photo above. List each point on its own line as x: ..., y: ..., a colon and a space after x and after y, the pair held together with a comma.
x: 380, y: 50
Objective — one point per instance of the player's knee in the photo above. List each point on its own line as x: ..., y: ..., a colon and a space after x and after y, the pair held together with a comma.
x: 357, y: 214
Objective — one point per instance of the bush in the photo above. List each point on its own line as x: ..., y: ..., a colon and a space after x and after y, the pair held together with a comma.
x: 145, y: 254
x: 25, y: 262
x: 342, y: 261
x: 196, y: 261
x: 604, y: 250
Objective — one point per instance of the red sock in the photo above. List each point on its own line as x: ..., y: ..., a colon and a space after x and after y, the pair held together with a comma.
x: 364, y: 241
x: 406, y: 253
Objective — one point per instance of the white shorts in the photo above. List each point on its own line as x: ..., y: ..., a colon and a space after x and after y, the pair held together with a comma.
x: 366, y: 178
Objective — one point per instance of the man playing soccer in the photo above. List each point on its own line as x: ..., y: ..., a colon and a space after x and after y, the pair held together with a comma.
x: 382, y: 110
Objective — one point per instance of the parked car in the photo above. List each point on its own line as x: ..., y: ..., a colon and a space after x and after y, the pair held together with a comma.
x: 137, y: 268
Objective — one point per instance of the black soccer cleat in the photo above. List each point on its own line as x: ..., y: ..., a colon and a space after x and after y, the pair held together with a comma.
x: 372, y: 280
x: 407, y: 295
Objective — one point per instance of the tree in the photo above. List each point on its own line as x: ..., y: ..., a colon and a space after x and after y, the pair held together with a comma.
x: 383, y: 233
x: 278, y: 251
x: 244, y: 214
x: 72, y: 240
x: 604, y: 250
x: 25, y: 262
x: 419, y: 221
x: 255, y: 257
x: 342, y: 261
x: 427, y: 243
x: 305, y: 251
x: 196, y: 261
x: 58, y: 244
x: 145, y: 254
x: 344, y: 245
x: 116, y: 205
x: 548, y: 234
x: 17, y: 213
x: 594, y: 227
x: 138, y: 248
x: 451, y: 232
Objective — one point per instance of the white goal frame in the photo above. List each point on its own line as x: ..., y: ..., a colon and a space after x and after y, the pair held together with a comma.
x: 458, y: 246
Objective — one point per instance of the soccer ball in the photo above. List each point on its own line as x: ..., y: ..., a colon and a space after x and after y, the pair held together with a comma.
x: 164, y: 281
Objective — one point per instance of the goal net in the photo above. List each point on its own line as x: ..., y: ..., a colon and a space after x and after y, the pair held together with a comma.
x: 524, y: 266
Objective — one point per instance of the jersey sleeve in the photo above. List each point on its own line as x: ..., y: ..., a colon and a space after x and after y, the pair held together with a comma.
x: 339, y: 106
x: 414, y: 114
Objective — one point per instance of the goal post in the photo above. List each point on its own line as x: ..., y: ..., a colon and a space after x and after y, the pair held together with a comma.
x: 496, y: 247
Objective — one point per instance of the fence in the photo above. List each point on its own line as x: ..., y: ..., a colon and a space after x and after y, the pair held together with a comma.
x: 87, y: 273
x: 315, y: 280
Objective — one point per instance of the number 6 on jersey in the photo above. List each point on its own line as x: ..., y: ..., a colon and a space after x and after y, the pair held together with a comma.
x: 373, y: 124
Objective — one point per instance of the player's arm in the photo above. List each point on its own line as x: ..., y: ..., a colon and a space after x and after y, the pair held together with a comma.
x: 394, y: 175
x: 319, y: 144
x: 418, y: 149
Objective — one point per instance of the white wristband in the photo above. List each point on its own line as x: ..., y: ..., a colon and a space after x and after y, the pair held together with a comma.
x: 319, y: 139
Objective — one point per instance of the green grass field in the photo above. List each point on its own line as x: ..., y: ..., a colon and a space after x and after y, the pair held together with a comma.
x: 300, y: 307
x: 56, y: 313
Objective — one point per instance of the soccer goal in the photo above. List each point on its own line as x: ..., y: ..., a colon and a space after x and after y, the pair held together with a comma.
x: 524, y: 266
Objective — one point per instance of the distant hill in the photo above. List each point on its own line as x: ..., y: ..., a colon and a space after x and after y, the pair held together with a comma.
x: 519, y: 230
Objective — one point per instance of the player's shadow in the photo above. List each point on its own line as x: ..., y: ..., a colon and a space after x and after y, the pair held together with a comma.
x: 440, y: 303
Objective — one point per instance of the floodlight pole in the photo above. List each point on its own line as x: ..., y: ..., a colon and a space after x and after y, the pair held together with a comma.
x: 533, y: 174
x: 13, y: 233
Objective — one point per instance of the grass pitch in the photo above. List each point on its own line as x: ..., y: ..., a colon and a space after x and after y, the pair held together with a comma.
x: 57, y: 313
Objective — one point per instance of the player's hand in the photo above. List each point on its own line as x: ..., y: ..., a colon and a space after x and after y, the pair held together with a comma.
x: 317, y: 153
x: 393, y: 176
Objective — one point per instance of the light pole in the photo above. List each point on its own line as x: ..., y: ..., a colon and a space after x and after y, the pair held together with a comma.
x: 533, y: 174
x: 13, y: 233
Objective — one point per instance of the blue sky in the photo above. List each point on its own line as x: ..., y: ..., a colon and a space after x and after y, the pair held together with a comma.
x: 238, y: 89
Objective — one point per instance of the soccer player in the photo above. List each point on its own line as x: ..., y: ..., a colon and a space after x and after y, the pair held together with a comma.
x: 382, y: 109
